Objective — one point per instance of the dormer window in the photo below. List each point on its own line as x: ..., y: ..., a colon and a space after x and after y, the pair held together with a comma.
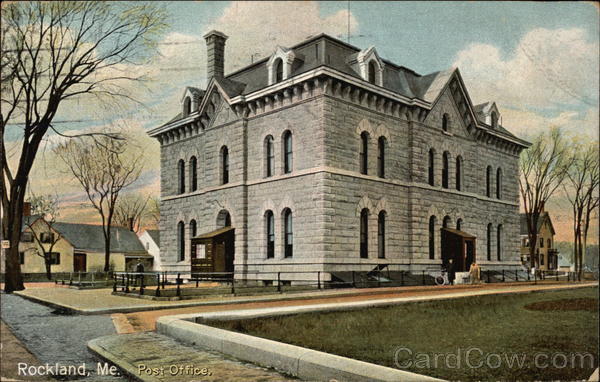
x: 372, y: 73
x: 187, y: 106
x: 494, y: 119
x: 278, y: 70
x: 279, y: 65
x: 368, y: 64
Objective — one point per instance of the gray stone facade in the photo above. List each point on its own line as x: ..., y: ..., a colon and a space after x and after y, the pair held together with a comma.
x: 326, y: 111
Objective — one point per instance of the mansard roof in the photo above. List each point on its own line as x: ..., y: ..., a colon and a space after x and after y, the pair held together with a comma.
x: 324, y: 51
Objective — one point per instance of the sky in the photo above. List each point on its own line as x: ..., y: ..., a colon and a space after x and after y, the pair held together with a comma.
x: 537, y: 60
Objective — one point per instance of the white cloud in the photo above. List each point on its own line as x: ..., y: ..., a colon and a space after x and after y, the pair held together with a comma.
x: 548, y: 68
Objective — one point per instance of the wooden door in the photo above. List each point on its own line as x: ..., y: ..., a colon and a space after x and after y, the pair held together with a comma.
x: 79, y: 262
x: 219, y: 258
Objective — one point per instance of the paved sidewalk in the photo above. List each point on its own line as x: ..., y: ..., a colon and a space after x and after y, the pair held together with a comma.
x: 101, y: 301
x: 141, y: 353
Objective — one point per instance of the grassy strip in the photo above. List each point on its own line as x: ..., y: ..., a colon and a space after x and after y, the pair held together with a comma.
x: 439, y: 334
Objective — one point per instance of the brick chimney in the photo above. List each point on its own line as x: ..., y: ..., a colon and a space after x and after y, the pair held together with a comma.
x: 26, y: 209
x: 215, y: 58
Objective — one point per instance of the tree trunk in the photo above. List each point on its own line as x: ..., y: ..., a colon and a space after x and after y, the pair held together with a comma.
x: 532, y: 247
x: 11, y: 230
x: 107, y: 252
x: 48, y: 267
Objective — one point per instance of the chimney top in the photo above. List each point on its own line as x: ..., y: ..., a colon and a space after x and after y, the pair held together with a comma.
x: 215, y: 58
x: 215, y: 33
x: 26, y: 209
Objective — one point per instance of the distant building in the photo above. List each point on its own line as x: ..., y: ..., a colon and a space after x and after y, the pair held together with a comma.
x: 151, y: 241
x: 546, y: 255
x: 78, y: 247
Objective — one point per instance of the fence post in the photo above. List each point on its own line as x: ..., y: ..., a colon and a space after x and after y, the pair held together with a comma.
x: 488, y: 276
x: 423, y: 276
x: 92, y: 278
x: 178, y: 287
x: 142, y: 285
x: 196, y: 281
x: 568, y: 276
x: 535, y: 277
x: 278, y: 281
x: 401, y: 278
x: 127, y: 283
x: 319, y: 280
x: 114, y: 283
x: 353, y: 280
x: 157, y: 293
x: 233, y: 283
x: 164, y: 279
x: 516, y: 276
x: 503, y: 280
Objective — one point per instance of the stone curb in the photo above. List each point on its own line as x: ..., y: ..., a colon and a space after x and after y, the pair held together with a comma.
x: 95, y: 346
x: 282, y: 297
x: 301, y: 362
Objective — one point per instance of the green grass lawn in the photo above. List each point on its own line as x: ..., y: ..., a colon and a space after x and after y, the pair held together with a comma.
x: 546, y: 325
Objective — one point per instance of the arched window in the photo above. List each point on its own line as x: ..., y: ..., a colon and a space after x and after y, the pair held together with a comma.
x: 372, y: 72
x: 459, y: 173
x: 187, y: 106
x: 459, y: 224
x: 381, y: 235
x: 488, y: 182
x: 494, y: 119
x: 192, y: 228
x: 181, y: 176
x: 270, y: 229
x: 287, y: 152
x: 364, y: 233
x: 432, y: 237
x: 364, y: 153
x: 223, y: 219
x: 445, y: 122
x: 431, y: 169
x: 489, y: 241
x: 446, y: 222
x: 381, y: 157
x: 181, y: 241
x: 279, y: 70
x: 269, y: 156
x: 289, y: 233
x: 499, y: 242
x: 499, y: 183
x: 445, y: 169
x: 224, y: 165
x: 193, y: 174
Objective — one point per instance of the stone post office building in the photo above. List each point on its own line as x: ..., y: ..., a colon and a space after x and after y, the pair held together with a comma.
x: 325, y: 157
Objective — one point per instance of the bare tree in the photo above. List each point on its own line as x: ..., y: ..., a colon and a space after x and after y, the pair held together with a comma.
x: 131, y: 210
x: 154, y: 210
x: 581, y: 190
x: 543, y: 168
x: 103, y: 168
x: 52, y: 51
x: 44, y: 233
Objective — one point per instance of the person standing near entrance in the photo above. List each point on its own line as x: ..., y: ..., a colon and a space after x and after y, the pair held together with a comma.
x: 451, y: 272
x: 475, y: 273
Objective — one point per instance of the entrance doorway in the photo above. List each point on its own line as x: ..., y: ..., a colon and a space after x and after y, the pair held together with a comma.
x: 79, y: 262
x: 219, y: 251
x: 458, y: 246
